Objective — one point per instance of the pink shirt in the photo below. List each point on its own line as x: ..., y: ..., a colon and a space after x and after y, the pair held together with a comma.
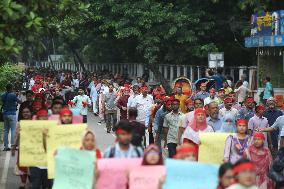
x: 258, y: 122
x: 188, y: 118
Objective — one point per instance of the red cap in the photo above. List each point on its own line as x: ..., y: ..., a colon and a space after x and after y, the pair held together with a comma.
x: 243, y: 166
x: 42, y: 113
x: 259, y: 135
x: 212, y: 90
x: 249, y: 99
x: 228, y: 100
x: 65, y: 111
x: 166, y: 98
x: 186, y: 150
x: 143, y: 89
x: 260, y: 107
x: 242, y: 121
x: 199, y: 110
x: 126, y: 85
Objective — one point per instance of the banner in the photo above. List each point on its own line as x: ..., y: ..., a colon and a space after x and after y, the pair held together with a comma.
x: 113, y: 172
x: 31, y: 148
x: 79, y: 175
x: 211, y: 149
x: 182, y: 174
x: 146, y: 177
x: 62, y: 135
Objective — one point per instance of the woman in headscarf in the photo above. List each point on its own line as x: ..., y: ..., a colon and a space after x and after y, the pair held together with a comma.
x: 228, y: 124
x: 199, y: 124
x: 236, y: 144
x: 152, y: 156
x: 89, y: 143
x: 261, y: 157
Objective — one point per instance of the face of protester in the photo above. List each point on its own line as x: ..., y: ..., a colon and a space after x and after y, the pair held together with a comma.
x: 203, y: 88
x: 110, y: 88
x: 126, y: 92
x: 42, y: 118
x: 258, y: 142
x: 189, y: 157
x: 124, y: 137
x: 136, y: 90
x: 225, y: 85
x: 81, y: 91
x: 271, y: 105
x: 249, y: 105
x: 152, y: 157
x: 144, y: 92
x: 56, y: 108
x: 228, y: 106
x: 26, y: 113
x: 242, y: 128
x: 179, y: 90
x: 227, y: 179
x: 89, y: 141
x: 175, y: 106
x: 260, y: 113
x: 190, y: 107
x: 169, y: 106
x: 159, y: 104
x: 221, y: 95
x: 246, y: 178
x: 212, y: 95
x: 66, y: 119
x: 200, y: 117
x: 213, y: 110
x: 198, y: 104
x: 57, y: 92
x: 29, y: 97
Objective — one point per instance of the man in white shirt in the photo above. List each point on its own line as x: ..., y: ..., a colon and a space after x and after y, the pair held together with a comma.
x: 211, y: 98
x: 131, y: 100
x: 82, y: 102
x: 228, y: 103
x: 143, y: 103
x: 32, y: 82
x: 75, y: 83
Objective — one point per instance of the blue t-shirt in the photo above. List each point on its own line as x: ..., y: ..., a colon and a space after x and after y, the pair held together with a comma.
x: 9, y: 103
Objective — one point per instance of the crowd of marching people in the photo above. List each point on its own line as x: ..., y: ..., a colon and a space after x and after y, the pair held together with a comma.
x: 152, y: 124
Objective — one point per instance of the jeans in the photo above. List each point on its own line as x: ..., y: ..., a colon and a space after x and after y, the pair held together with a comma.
x: 10, y: 122
x: 39, y: 178
x: 172, y: 149
x: 111, y: 114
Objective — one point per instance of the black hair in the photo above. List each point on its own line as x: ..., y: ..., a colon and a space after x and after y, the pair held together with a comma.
x: 82, y: 88
x: 124, y: 125
x: 132, y: 112
x: 268, y: 78
x: 199, y: 99
x: 224, y: 168
x: 25, y: 106
x: 9, y: 87
x: 59, y: 99
x: 55, y: 103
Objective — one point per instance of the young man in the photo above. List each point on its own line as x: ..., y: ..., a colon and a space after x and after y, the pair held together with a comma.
x: 182, y: 98
x: 123, y: 148
x: 202, y: 94
x: 131, y: 100
x: 172, y: 122
x: 247, y: 112
x: 56, y: 107
x: 82, y: 102
x: 211, y: 98
x: 138, y: 128
x: 228, y: 103
x: 110, y: 108
x: 66, y: 116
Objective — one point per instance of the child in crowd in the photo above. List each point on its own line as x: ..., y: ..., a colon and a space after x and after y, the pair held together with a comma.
x: 152, y: 156
x: 225, y: 176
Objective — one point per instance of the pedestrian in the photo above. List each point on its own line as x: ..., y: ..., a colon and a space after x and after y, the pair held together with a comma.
x: 9, y: 105
x: 225, y: 176
x: 123, y: 147
x: 268, y: 89
x: 56, y: 107
x: 110, y: 108
x: 152, y: 156
x: 189, y: 105
x: 199, y: 124
x: 236, y: 144
x: 242, y: 92
x: 276, y: 170
x: 212, y: 97
x: 245, y: 175
x: 89, y: 143
x: 172, y: 122
x: 25, y: 113
x: 228, y: 109
x: 131, y: 100
x: 259, y: 122
x: 94, y: 97
x: 202, y: 94
x: 228, y: 124
x: 261, y: 157
x: 122, y: 104
x: 247, y: 111
x: 214, y: 119
x: 138, y: 129
x: 227, y: 87
x: 82, y: 101
x: 182, y: 98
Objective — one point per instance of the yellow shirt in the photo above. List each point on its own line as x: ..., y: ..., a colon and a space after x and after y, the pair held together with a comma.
x: 182, y: 99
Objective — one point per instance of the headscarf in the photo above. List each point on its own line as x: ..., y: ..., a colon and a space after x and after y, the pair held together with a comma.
x: 150, y: 148
x: 245, y: 84
x: 84, y: 136
x: 226, y: 127
x: 201, y: 126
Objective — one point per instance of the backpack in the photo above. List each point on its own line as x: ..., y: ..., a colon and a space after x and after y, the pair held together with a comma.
x: 112, y: 152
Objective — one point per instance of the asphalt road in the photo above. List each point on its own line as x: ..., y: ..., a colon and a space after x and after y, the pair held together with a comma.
x: 7, y: 163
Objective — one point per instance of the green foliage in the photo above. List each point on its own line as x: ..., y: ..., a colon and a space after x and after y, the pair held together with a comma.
x: 9, y: 73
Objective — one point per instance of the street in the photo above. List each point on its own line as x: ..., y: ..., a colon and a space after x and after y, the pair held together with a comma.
x: 7, y: 163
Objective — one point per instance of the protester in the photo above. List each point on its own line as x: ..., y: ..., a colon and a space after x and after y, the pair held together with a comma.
x: 268, y: 90
x: 214, y: 119
x: 123, y: 148
x: 66, y: 116
x: 138, y: 129
x: 131, y: 100
x: 56, y: 107
x: 186, y: 152
x: 189, y: 105
x: 225, y: 176
x: 202, y: 94
x: 172, y: 122
x: 182, y: 98
x: 247, y: 111
x: 242, y: 92
x: 228, y: 124
x: 82, y: 102
x: 94, y: 96
x: 212, y: 97
x: 228, y: 109
x: 122, y: 103
x: 245, y: 175
x: 276, y: 170
x: 89, y: 143
x: 236, y: 144
x: 227, y: 88
x: 9, y: 102
x: 261, y: 157
x: 152, y: 156
x: 110, y: 108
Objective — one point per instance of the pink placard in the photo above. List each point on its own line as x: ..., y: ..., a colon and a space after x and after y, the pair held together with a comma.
x: 146, y: 177
x: 77, y: 119
x: 113, y: 172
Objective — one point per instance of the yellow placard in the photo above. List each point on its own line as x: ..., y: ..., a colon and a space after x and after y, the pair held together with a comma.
x: 31, y: 148
x: 211, y: 149
x: 62, y: 135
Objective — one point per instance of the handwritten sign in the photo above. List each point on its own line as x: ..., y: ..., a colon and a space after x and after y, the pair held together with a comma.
x: 62, y: 135
x: 182, y: 174
x: 114, y: 172
x: 31, y: 148
x: 79, y: 175
x: 211, y: 149
x: 146, y: 177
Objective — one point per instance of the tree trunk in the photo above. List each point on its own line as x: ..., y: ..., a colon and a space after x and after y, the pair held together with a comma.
x: 52, y: 65
x: 160, y: 78
x: 78, y: 58
x: 75, y: 62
